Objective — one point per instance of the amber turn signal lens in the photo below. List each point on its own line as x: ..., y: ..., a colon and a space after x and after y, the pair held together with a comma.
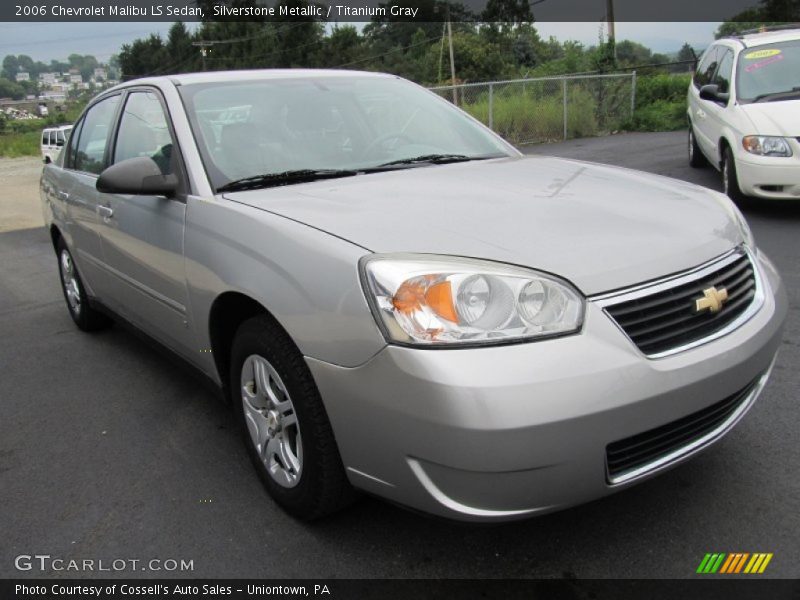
x: 440, y: 299
x: 415, y: 294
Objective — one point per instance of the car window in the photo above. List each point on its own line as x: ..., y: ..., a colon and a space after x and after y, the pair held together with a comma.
x: 69, y: 155
x: 722, y: 78
x: 253, y: 128
x: 91, y: 147
x: 768, y: 70
x: 143, y: 131
x: 45, y: 138
x: 708, y: 64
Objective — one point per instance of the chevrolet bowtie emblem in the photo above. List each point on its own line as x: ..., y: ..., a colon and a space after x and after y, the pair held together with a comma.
x: 712, y: 300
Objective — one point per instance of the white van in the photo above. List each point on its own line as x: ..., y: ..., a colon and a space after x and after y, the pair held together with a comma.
x: 53, y: 139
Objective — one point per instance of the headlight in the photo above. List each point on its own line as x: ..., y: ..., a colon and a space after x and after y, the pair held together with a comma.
x: 440, y: 300
x: 766, y: 145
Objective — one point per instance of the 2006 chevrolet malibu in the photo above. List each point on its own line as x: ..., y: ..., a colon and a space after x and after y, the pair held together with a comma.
x: 396, y: 300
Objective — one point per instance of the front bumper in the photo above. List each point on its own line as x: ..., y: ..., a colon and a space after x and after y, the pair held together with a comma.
x: 499, y: 433
x: 769, y: 177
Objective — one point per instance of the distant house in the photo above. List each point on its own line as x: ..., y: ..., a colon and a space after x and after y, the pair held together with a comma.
x: 53, y: 95
x: 75, y: 77
x: 23, y: 76
x: 100, y: 73
x: 48, y: 78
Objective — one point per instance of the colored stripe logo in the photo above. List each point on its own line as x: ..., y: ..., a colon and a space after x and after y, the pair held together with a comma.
x: 734, y: 563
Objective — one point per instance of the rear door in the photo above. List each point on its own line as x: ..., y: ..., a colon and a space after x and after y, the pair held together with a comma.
x: 86, y: 157
x: 143, y: 235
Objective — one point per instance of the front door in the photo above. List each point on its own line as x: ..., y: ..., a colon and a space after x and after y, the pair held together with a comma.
x: 142, y: 236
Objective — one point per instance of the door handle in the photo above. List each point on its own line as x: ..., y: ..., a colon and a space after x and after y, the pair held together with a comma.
x: 63, y: 196
x: 105, y: 211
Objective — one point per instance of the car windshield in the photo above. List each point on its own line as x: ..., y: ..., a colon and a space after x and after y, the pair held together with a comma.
x: 305, y: 125
x: 769, y: 72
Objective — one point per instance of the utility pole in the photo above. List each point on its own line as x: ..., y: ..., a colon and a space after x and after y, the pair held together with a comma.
x: 204, y: 50
x: 452, y: 59
x: 611, y: 34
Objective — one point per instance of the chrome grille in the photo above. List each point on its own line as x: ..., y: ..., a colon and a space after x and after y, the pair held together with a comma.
x: 665, y: 317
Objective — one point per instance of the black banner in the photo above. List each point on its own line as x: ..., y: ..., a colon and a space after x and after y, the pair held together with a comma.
x: 417, y: 589
x: 398, y: 10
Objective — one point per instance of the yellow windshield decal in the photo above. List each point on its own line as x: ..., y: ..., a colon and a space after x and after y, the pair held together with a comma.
x: 762, y: 54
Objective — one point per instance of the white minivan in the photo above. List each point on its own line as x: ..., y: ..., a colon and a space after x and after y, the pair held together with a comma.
x: 744, y: 113
x: 53, y: 139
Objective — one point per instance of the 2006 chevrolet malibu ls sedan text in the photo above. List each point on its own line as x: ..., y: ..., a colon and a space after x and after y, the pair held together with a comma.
x: 396, y: 301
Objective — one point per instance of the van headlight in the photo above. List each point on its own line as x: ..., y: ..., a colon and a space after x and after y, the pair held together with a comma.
x: 439, y: 300
x: 765, y: 145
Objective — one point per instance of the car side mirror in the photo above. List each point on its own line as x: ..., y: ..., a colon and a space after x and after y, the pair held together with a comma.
x: 711, y: 92
x: 139, y: 176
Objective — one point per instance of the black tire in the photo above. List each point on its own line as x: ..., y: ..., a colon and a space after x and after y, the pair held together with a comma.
x: 696, y: 157
x: 322, y: 486
x: 730, y: 180
x: 83, y: 314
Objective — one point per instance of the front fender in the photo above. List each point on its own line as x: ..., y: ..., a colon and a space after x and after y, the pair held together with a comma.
x: 306, y: 278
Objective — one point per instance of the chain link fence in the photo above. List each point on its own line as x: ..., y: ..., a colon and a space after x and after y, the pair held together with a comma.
x: 546, y: 109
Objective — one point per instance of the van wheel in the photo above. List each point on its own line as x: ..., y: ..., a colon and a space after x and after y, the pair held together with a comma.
x: 284, y: 424
x: 730, y: 181
x: 85, y: 317
x: 696, y: 158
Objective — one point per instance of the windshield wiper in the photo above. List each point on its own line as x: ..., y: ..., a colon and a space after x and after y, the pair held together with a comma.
x: 435, y: 159
x: 777, y: 95
x: 284, y: 178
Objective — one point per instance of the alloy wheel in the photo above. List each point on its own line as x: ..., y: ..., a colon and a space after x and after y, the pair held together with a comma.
x: 271, y: 421
x: 70, y: 282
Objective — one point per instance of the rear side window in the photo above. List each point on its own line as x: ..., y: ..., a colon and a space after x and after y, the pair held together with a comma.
x: 45, y: 138
x: 91, y: 147
x: 705, y: 71
x: 69, y: 158
x: 143, y: 131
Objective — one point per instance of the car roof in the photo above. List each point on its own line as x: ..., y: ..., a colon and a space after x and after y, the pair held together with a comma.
x: 246, y: 75
x: 770, y: 37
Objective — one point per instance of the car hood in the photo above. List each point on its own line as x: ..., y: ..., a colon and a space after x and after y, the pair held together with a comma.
x: 600, y: 227
x: 774, y: 118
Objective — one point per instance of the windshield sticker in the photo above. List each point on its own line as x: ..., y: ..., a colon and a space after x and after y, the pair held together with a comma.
x: 762, y: 54
x: 763, y: 63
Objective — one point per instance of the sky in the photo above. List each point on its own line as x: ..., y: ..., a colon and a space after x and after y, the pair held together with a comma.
x: 46, y: 41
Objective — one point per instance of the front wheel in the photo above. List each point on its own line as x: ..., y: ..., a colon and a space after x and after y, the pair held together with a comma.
x: 730, y: 180
x: 284, y: 423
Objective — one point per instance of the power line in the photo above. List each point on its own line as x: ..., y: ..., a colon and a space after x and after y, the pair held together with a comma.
x: 361, y: 60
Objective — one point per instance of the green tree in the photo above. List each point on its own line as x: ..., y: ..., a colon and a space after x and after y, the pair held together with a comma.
x: 10, y: 67
x: 507, y: 13
x: 633, y: 53
x: 344, y: 46
x: 686, y: 53
x: 11, y: 89
x: 144, y: 57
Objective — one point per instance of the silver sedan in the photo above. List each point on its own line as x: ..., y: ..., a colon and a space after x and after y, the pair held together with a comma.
x: 395, y: 300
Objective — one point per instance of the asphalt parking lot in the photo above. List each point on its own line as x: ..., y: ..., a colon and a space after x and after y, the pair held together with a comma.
x: 110, y: 450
